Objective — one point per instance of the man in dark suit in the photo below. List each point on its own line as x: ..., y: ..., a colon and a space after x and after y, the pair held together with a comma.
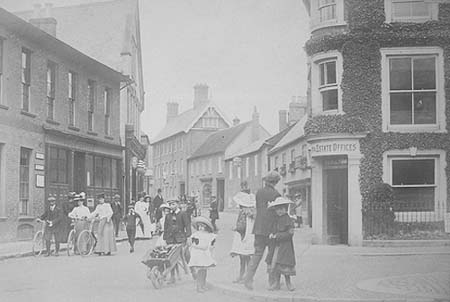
x: 53, y: 217
x: 177, y: 229
x: 156, y: 203
x: 117, y: 213
x: 263, y: 223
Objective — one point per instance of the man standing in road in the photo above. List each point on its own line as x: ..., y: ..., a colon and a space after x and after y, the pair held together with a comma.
x: 53, y: 217
x: 263, y: 223
x: 156, y: 203
x: 117, y: 213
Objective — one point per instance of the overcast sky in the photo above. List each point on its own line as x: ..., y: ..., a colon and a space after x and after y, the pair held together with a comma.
x: 250, y: 53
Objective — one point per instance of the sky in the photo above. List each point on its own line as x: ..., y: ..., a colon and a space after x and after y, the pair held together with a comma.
x: 249, y: 52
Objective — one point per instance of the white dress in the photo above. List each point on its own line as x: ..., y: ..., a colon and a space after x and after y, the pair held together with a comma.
x: 244, y: 246
x: 201, y: 252
x: 142, y: 208
x: 161, y: 241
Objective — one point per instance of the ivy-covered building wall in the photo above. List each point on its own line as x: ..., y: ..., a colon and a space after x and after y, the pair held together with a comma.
x: 360, y: 43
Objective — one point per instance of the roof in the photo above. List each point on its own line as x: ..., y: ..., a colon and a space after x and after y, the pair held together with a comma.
x: 185, y: 121
x: 98, y: 29
x: 50, y: 43
x: 273, y: 140
x: 253, y: 147
x: 219, y: 141
x: 294, y: 133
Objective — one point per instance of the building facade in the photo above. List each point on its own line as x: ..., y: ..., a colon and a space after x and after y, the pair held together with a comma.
x: 378, y: 93
x: 110, y: 33
x: 183, y: 134
x: 59, y: 124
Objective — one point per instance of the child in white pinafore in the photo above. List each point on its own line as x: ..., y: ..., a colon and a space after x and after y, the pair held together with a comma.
x: 201, y: 250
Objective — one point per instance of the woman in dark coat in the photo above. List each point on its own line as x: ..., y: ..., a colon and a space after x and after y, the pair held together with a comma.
x: 281, y: 256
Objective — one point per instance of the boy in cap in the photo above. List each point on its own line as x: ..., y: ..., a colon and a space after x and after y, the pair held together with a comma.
x: 53, y: 217
x: 130, y: 221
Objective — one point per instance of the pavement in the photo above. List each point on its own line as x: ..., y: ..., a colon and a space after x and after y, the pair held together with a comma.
x: 324, y: 273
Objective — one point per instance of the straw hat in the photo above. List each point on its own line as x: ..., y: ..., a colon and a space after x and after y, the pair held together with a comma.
x: 278, y: 202
x: 164, y: 206
x: 205, y: 221
x: 245, y: 199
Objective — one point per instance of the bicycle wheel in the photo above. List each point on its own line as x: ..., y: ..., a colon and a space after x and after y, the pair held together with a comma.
x: 71, y: 243
x: 38, y: 243
x: 85, y: 243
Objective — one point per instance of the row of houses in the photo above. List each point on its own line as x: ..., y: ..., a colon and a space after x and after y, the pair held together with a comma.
x: 71, y: 96
x: 377, y: 111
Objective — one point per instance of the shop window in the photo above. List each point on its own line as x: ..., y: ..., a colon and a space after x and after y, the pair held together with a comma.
x: 89, y: 170
x: 410, y: 10
x: 58, y: 165
x: 106, y: 173
x: 114, y: 174
x: 24, y: 180
x: 413, y: 93
x: 414, y: 183
x: 98, y: 173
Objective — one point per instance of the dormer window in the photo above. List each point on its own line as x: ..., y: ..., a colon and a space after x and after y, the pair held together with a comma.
x: 410, y: 10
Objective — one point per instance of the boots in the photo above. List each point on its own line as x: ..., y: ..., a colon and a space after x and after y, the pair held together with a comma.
x: 289, y: 285
x: 48, y: 245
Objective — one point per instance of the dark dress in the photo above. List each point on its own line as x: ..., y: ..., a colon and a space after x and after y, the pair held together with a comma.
x: 281, y: 255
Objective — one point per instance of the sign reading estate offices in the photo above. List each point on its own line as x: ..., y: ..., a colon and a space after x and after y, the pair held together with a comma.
x: 334, y: 147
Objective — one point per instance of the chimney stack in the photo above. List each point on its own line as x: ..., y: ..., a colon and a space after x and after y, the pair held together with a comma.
x: 236, y: 121
x: 46, y: 23
x: 172, y: 111
x: 201, y: 95
x: 297, y: 109
x: 255, y: 125
x: 282, y: 116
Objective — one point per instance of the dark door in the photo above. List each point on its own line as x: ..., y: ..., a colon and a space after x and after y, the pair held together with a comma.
x: 79, y: 173
x: 336, y: 203
x: 221, y: 193
x: 182, y: 189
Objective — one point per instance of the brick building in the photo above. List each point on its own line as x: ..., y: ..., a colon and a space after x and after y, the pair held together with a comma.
x: 209, y: 175
x: 183, y: 134
x: 109, y: 31
x: 59, y: 124
x: 378, y: 95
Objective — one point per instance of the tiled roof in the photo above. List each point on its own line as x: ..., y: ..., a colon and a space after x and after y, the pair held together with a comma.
x: 273, y: 140
x: 97, y: 29
x: 219, y: 141
x: 294, y: 133
x: 253, y: 147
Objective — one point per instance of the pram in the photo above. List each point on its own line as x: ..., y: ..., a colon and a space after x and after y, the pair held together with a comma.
x: 160, y: 261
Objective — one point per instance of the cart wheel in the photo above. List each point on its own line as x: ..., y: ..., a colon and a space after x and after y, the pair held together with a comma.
x: 38, y: 243
x: 155, y: 276
x: 85, y: 243
x: 71, y: 243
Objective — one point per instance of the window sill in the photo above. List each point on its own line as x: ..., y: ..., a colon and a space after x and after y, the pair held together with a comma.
x: 109, y: 137
x: 26, y: 113
x: 52, y: 122
x: 26, y: 218
x: 327, y: 24
x: 4, y: 107
x: 92, y: 133
x: 73, y: 128
x: 418, y: 129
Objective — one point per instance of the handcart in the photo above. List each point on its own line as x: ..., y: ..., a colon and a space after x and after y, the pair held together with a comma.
x: 160, y: 262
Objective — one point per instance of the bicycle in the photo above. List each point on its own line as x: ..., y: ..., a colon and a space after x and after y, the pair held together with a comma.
x: 71, y: 238
x: 87, y: 240
x: 38, y: 239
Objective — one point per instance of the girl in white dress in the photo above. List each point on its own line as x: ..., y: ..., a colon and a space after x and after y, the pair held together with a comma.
x: 142, y: 208
x: 165, y: 209
x: 201, y: 250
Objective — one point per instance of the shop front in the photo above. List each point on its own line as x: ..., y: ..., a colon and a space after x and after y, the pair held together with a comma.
x: 335, y: 190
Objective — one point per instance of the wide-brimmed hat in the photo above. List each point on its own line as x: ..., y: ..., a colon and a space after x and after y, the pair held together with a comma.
x: 172, y: 200
x: 203, y: 220
x: 71, y: 195
x: 164, y: 206
x: 272, y: 176
x: 245, y: 199
x: 101, y: 195
x: 279, y: 202
x: 117, y: 196
x: 51, y: 199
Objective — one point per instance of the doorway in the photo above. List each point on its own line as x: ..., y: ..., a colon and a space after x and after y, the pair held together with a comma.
x: 335, y: 185
x: 221, y: 193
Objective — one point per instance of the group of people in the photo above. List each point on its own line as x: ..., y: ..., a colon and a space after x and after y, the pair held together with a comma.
x: 58, y: 221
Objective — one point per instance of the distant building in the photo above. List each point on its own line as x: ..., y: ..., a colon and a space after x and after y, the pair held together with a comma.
x: 108, y: 31
x: 208, y: 174
x: 183, y: 134
x: 59, y: 124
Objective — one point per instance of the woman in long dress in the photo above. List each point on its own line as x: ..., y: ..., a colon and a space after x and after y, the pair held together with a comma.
x: 142, y: 208
x: 106, y: 242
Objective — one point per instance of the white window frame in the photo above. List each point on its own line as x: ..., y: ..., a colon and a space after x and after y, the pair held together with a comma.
x: 230, y: 171
x: 315, y: 22
x: 219, y: 164
x: 388, y: 9
x: 440, y: 125
x: 239, y: 172
x: 317, y: 103
x: 247, y: 166
x: 440, y: 196
x: 256, y: 164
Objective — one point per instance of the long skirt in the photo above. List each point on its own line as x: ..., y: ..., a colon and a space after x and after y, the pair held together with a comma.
x: 106, y: 240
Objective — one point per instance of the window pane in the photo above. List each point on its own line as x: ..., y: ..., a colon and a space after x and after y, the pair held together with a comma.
x: 322, y: 74
x: 89, y: 170
x: 330, y: 99
x: 413, y: 199
x: 114, y: 174
x: 98, y: 182
x: 420, y: 9
x: 424, y: 73
x: 401, y: 111
x: 107, y: 173
x: 413, y: 172
x: 62, y: 166
x: 425, y: 108
x: 331, y: 73
x: 400, y: 73
x: 401, y: 9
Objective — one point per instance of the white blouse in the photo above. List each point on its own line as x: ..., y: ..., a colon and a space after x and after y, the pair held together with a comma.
x: 80, y: 212
x: 103, y: 210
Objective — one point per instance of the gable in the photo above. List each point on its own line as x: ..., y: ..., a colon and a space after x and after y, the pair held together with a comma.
x: 211, y: 119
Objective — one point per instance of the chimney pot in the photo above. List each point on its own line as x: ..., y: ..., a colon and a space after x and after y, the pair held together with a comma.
x: 282, y: 116
x: 201, y: 94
